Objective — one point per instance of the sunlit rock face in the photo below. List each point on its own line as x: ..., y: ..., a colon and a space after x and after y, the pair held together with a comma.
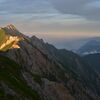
x: 11, y: 42
x: 9, y: 38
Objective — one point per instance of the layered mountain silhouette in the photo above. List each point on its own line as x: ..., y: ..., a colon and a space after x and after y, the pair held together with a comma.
x: 91, y: 47
x: 31, y: 69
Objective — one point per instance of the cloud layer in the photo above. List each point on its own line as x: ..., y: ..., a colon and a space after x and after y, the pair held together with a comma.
x: 86, y: 8
x: 53, y: 18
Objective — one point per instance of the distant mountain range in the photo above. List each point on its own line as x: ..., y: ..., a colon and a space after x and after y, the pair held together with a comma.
x: 74, y: 44
x: 31, y: 69
x: 91, y: 47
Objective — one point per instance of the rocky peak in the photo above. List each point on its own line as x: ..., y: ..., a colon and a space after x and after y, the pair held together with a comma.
x: 12, y: 30
x: 9, y: 37
x: 11, y: 27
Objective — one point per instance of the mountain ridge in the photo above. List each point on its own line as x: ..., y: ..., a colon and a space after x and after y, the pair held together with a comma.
x: 10, y: 36
x: 91, y: 47
x: 55, y: 74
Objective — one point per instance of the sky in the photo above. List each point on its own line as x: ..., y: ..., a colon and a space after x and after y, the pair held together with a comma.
x: 53, y: 19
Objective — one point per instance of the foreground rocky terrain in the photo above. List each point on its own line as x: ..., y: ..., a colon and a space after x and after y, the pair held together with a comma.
x: 34, y: 70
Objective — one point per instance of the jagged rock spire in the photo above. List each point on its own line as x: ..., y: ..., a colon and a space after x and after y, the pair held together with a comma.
x: 12, y: 30
x: 12, y: 27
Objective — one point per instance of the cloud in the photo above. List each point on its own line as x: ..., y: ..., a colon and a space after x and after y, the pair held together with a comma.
x: 26, y: 6
x: 78, y: 7
x: 52, y: 18
x: 88, y: 9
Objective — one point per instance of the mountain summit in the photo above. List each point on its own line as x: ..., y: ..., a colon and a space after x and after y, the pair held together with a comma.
x: 12, y: 30
x: 11, y: 27
x: 31, y: 69
x: 9, y: 37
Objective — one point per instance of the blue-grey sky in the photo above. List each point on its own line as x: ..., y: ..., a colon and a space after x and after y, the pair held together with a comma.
x: 53, y: 19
